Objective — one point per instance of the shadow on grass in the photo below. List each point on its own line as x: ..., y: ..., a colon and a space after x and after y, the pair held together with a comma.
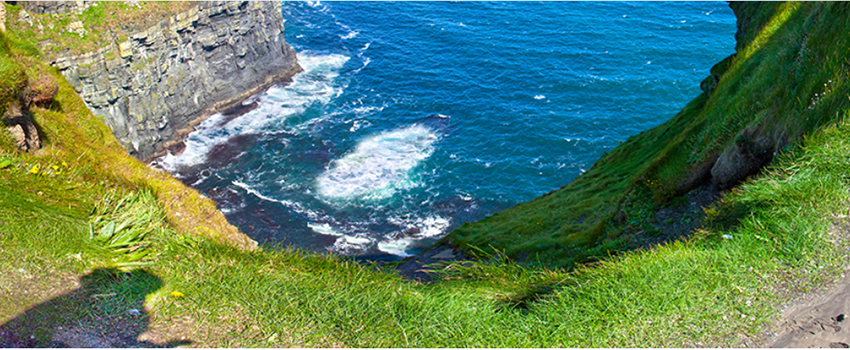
x: 105, y: 311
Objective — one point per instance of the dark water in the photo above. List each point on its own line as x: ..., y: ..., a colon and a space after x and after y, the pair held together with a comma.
x: 411, y: 118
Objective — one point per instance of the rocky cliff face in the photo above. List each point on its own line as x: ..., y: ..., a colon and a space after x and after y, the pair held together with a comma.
x: 153, y: 87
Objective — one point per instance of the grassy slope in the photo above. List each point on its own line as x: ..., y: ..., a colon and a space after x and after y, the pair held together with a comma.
x: 765, y: 241
x: 788, y: 78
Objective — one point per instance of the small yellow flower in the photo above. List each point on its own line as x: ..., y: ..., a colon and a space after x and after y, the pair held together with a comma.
x: 177, y: 294
x: 34, y: 170
x: 55, y: 167
x: 64, y: 164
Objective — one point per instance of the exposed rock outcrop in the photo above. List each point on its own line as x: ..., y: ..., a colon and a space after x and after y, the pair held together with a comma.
x: 153, y: 87
x: 2, y: 18
x: 55, y: 7
x: 750, y: 152
x: 24, y: 132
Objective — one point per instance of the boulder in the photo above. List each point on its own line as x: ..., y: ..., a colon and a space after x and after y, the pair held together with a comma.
x: 24, y: 133
x: 750, y: 152
x: 42, y: 90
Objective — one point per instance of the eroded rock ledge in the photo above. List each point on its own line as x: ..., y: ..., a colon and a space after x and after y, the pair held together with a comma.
x: 153, y: 86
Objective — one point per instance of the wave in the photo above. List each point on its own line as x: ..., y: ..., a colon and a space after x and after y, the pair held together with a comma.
x: 350, y: 35
x: 421, y: 229
x: 378, y: 166
x: 316, y: 84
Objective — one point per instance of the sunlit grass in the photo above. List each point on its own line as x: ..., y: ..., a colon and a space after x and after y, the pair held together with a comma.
x: 765, y: 241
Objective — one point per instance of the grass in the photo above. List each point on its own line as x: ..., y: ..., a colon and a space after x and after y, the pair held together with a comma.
x: 771, y: 238
x: 710, y: 290
x: 788, y: 79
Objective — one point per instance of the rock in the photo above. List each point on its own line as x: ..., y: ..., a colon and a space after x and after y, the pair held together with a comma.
x: 24, y: 132
x: 2, y: 18
x: 445, y: 254
x: 154, y: 87
x: 18, y: 136
x: 42, y: 90
x: 750, y: 152
x: 55, y: 7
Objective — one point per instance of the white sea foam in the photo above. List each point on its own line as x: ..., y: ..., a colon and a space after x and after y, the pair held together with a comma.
x: 254, y: 192
x: 350, y: 244
x: 315, y: 85
x: 539, y: 97
x: 424, y: 228
x: 324, y: 229
x: 349, y: 35
x: 378, y: 165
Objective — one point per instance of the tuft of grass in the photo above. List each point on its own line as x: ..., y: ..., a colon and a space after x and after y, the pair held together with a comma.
x: 124, y: 227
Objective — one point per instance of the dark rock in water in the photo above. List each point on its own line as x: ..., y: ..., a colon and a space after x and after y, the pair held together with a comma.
x: 239, y: 109
x: 412, y: 231
x: 437, y: 122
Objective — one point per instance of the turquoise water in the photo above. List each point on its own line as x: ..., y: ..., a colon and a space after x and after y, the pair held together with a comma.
x: 411, y: 118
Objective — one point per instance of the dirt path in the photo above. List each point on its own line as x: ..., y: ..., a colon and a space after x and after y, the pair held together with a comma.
x: 822, y: 321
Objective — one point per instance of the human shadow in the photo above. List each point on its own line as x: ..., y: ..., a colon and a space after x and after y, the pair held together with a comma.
x: 106, y: 310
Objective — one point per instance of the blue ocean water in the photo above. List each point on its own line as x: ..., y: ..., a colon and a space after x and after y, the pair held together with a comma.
x: 411, y: 118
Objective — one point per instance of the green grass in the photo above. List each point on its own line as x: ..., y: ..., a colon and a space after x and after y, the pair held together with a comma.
x: 710, y: 290
x: 788, y: 78
x: 766, y: 241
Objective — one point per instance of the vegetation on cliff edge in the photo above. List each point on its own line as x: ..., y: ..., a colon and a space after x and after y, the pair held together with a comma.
x: 770, y: 238
x: 789, y: 77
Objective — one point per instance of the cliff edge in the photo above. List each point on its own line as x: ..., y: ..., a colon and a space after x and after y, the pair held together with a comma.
x: 152, y: 84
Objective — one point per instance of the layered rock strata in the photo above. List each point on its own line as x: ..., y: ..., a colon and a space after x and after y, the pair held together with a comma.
x: 153, y: 87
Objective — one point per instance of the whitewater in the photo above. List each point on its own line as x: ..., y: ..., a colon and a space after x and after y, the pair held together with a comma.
x: 412, y: 118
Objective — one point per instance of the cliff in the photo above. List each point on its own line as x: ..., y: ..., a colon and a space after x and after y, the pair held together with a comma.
x: 152, y: 85
x: 786, y: 79
x: 779, y: 233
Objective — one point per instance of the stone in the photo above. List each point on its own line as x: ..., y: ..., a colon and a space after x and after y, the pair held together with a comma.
x: 748, y: 154
x: 42, y: 90
x: 24, y: 133
x: 2, y: 18
x: 445, y: 254
x: 18, y: 136
x: 184, y: 68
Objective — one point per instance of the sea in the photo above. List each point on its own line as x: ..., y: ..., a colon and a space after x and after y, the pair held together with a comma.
x: 411, y: 118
